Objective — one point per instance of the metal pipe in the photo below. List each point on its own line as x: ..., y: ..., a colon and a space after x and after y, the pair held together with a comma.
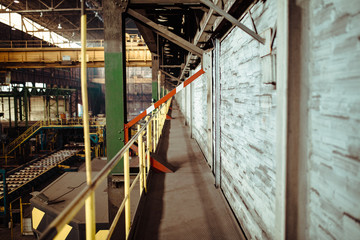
x: 90, y: 201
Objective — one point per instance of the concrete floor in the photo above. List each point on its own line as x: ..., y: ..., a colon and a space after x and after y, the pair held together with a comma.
x: 185, y: 204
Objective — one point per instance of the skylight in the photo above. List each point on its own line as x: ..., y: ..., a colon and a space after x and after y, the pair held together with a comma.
x: 31, y: 27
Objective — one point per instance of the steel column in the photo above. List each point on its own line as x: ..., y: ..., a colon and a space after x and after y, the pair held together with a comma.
x: 20, y: 108
x: 115, y: 80
x: 9, y: 100
x: 217, y: 160
x: 25, y: 105
x: 16, y: 110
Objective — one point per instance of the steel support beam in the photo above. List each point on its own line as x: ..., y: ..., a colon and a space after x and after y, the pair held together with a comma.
x: 16, y: 110
x: 166, y: 33
x: 54, y: 57
x: 9, y: 112
x: 170, y: 66
x: 115, y: 80
x: 164, y: 2
x: 233, y: 20
x: 49, y: 10
x: 169, y: 75
x: 25, y: 105
x: 217, y: 158
x: 154, y: 83
x: 64, y: 30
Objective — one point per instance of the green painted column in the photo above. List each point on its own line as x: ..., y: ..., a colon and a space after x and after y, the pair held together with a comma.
x: 115, y: 80
x: 155, y: 72
x: 154, y: 91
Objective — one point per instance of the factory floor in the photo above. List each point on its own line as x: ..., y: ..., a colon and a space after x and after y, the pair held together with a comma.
x: 184, y: 204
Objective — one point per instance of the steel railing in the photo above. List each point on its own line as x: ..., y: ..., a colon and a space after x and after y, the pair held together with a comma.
x: 23, y: 137
x: 48, y: 123
x: 152, y: 129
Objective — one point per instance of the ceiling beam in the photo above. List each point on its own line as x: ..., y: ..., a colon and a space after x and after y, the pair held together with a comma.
x: 170, y: 66
x: 164, y: 2
x: 147, y: 34
x: 65, y: 30
x: 233, y: 21
x: 49, y: 10
x: 161, y: 30
x: 169, y: 75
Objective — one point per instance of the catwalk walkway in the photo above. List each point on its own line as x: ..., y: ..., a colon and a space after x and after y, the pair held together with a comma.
x: 184, y: 204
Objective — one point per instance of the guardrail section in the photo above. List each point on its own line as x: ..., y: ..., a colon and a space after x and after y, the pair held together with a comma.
x: 147, y: 137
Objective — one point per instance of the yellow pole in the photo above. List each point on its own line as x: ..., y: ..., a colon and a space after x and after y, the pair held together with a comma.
x: 11, y: 223
x: 143, y: 166
x: 127, y: 193
x: 148, y: 145
x: 21, y: 217
x: 158, y: 127
x: 90, y: 201
x: 154, y: 134
x: 140, y: 155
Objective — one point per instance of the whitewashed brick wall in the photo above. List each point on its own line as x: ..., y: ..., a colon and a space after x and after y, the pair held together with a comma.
x: 248, y: 114
x: 248, y: 120
x: 334, y: 120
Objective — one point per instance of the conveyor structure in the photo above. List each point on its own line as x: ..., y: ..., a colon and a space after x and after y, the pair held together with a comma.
x: 27, y: 174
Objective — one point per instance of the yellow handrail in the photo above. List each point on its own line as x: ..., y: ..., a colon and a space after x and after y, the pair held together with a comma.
x: 158, y: 118
x: 19, y: 140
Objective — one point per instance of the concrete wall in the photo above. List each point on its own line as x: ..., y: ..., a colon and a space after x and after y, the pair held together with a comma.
x: 323, y: 124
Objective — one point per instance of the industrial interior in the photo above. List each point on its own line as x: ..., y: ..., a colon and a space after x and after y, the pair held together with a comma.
x: 193, y: 119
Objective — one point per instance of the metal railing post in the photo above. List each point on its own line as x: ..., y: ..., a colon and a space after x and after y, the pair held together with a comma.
x: 21, y: 217
x: 140, y: 155
x: 90, y: 201
x: 143, y: 166
x: 158, y: 127
x: 148, y: 145
x: 154, y: 134
x: 127, y: 193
